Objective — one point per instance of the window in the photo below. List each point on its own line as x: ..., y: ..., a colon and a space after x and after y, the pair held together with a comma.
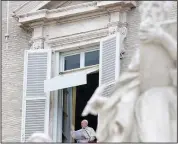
x: 79, y: 58
x: 72, y: 62
x: 92, y: 58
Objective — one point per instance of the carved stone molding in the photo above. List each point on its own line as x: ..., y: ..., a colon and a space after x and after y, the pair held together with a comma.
x: 112, y: 30
x: 78, y: 37
x: 117, y: 23
x: 73, y: 10
x: 111, y: 3
x: 60, y: 12
x: 73, y: 7
x: 120, y: 27
x: 116, y: 27
x: 123, y: 32
x: 37, y: 43
x: 86, y: 36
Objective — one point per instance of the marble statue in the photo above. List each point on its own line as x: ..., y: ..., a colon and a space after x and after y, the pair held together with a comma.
x: 39, y: 137
x: 143, y: 105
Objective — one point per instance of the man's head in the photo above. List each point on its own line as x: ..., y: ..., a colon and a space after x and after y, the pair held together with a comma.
x: 84, y: 123
x: 156, y: 10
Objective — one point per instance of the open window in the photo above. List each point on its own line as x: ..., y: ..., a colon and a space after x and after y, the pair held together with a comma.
x: 74, y: 68
x: 78, y: 76
x: 75, y: 82
x: 85, y: 68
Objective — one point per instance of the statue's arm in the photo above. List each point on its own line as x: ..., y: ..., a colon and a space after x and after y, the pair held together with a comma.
x: 135, y: 62
x: 170, y: 44
x: 96, y: 102
x: 173, y: 74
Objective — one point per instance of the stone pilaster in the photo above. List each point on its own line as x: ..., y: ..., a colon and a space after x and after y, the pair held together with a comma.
x: 118, y: 24
x: 38, y: 39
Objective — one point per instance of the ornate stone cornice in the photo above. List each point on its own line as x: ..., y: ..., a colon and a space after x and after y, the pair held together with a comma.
x: 57, y: 13
x: 110, y: 3
x: 73, y: 10
x: 118, y: 24
x: 29, y: 6
x: 81, y: 37
x: 74, y: 7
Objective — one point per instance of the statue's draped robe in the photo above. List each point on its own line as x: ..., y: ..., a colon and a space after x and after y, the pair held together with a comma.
x: 143, y: 107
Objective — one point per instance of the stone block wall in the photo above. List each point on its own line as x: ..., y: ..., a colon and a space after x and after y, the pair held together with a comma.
x: 12, y: 65
x: 12, y: 74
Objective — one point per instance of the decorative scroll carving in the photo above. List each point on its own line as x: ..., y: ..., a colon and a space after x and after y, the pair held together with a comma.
x: 113, y: 30
x: 123, y: 31
x: 37, y: 43
x: 122, y: 28
x: 115, y: 26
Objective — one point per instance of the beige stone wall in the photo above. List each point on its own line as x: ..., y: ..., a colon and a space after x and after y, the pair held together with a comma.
x: 132, y: 40
x: 12, y: 66
x: 12, y: 75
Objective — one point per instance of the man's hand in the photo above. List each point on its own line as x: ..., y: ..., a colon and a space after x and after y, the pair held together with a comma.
x: 72, y: 131
x: 72, y: 127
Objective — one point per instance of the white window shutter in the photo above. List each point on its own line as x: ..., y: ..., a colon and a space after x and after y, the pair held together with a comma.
x: 109, y: 61
x: 35, y: 104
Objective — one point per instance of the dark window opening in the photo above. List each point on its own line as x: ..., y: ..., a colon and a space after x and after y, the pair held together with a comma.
x: 83, y: 94
x: 92, y: 58
x: 72, y: 62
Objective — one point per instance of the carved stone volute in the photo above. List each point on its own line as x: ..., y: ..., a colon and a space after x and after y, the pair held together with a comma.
x: 120, y: 27
x: 38, y: 37
x: 37, y: 43
x: 116, y: 26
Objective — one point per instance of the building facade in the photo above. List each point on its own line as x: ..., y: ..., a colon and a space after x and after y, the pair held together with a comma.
x: 48, y: 50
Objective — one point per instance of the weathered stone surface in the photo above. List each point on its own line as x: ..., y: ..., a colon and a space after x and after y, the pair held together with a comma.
x: 12, y: 65
x: 12, y: 75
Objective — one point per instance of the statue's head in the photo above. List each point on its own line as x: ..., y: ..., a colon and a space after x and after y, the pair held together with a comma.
x: 39, y: 137
x: 156, y: 10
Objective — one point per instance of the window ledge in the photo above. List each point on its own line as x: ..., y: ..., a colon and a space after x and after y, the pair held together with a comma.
x: 80, y: 69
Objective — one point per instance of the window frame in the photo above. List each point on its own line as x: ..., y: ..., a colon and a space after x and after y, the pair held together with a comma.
x: 75, y: 52
x: 90, y: 51
x: 63, y: 61
x: 58, y: 95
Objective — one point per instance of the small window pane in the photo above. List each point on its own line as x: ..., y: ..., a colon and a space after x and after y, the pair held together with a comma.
x: 72, y: 62
x: 92, y: 58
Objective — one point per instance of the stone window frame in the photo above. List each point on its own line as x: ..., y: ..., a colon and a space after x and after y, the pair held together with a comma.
x: 75, y: 52
x: 59, y: 62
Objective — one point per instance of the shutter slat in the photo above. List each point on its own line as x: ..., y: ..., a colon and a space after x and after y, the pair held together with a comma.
x: 108, y: 50
x: 36, y: 68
